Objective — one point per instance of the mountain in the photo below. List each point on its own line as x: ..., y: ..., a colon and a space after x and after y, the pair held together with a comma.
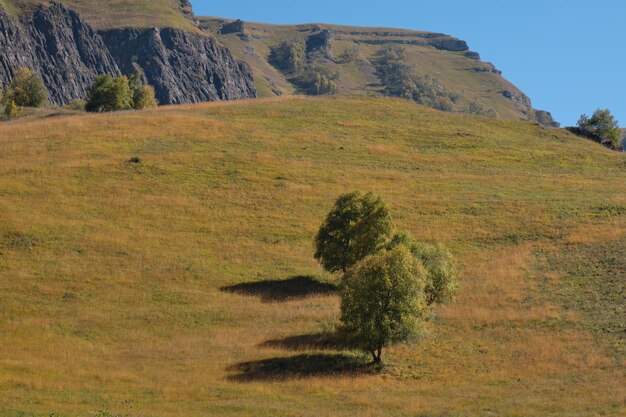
x: 71, y: 42
x: 448, y: 60
x: 182, y: 282
x: 191, y: 59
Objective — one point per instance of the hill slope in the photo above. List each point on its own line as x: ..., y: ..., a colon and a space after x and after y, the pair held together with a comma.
x: 115, y: 14
x: 112, y: 273
x: 449, y: 60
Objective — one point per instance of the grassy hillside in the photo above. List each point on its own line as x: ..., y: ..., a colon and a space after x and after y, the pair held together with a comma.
x: 185, y: 286
x: 474, y: 80
x: 112, y: 14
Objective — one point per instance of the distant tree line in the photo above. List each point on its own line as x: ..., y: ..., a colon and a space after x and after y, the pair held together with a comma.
x: 290, y: 57
x: 107, y: 93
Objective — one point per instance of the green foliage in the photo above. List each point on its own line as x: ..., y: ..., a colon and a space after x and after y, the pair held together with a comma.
x: 383, y: 300
x: 109, y: 93
x: 11, y: 109
x: 442, y: 279
x: 75, y: 105
x: 289, y: 57
x: 603, y: 126
x: 477, y: 109
x: 357, y: 226
x: 317, y: 81
x: 28, y: 89
x: 143, y: 94
x: 401, y: 80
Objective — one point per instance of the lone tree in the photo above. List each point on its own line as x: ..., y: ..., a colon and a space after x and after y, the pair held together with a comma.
x: 383, y: 300
x: 442, y: 277
x: 357, y: 226
x: 603, y: 126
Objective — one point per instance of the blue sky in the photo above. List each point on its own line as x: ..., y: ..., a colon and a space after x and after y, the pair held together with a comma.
x: 569, y: 57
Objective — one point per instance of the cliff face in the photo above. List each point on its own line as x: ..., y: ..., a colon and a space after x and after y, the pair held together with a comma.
x: 182, y: 67
x: 69, y: 54
x: 58, y: 45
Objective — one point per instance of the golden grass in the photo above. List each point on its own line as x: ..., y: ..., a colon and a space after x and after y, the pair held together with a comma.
x: 110, y: 272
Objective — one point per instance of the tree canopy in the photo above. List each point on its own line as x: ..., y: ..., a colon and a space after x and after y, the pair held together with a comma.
x: 27, y: 89
x: 357, y: 226
x: 442, y: 276
x: 603, y: 126
x: 383, y: 300
x: 109, y: 93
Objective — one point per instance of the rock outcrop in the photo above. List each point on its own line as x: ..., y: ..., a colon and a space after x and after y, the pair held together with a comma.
x: 68, y: 54
x: 321, y: 42
x: 58, y: 45
x: 238, y: 26
x: 183, y: 67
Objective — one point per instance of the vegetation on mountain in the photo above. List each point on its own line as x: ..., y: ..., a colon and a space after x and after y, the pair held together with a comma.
x: 603, y: 127
x: 115, y: 15
x: 401, y: 80
x: 291, y: 58
x: 110, y: 93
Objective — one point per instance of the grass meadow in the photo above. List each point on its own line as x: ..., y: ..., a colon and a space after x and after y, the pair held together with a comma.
x: 184, y: 285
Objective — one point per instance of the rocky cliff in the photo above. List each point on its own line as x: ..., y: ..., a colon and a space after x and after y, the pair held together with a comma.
x: 68, y: 53
x: 182, y: 67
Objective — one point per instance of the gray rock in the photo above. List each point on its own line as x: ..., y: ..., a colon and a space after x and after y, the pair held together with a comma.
x: 58, y: 45
x: 518, y: 97
x: 238, y: 26
x: 321, y: 42
x: 68, y: 54
x: 445, y: 44
x: 186, y: 8
x: 183, y: 67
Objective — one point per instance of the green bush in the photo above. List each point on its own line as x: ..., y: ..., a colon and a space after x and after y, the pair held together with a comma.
x: 75, y: 105
x: 143, y: 94
x: 400, y: 80
x: 11, y: 109
x: 602, y: 126
x: 27, y: 89
x: 109, y: 93
x: 317, y: 81
x: 289, y: 57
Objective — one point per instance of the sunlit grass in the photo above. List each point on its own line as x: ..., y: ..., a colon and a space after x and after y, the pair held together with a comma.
x: 111, y: 273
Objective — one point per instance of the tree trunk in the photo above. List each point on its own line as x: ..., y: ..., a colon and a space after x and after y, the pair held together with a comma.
x: 374, y: 356
x: 380, y: 354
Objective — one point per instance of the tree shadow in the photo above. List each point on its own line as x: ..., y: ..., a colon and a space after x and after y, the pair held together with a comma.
x: 293, y: 288
x: 315, y: 341
x: 300, y: 367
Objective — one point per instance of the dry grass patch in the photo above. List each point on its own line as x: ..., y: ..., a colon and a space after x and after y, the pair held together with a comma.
x: 111, y: 273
